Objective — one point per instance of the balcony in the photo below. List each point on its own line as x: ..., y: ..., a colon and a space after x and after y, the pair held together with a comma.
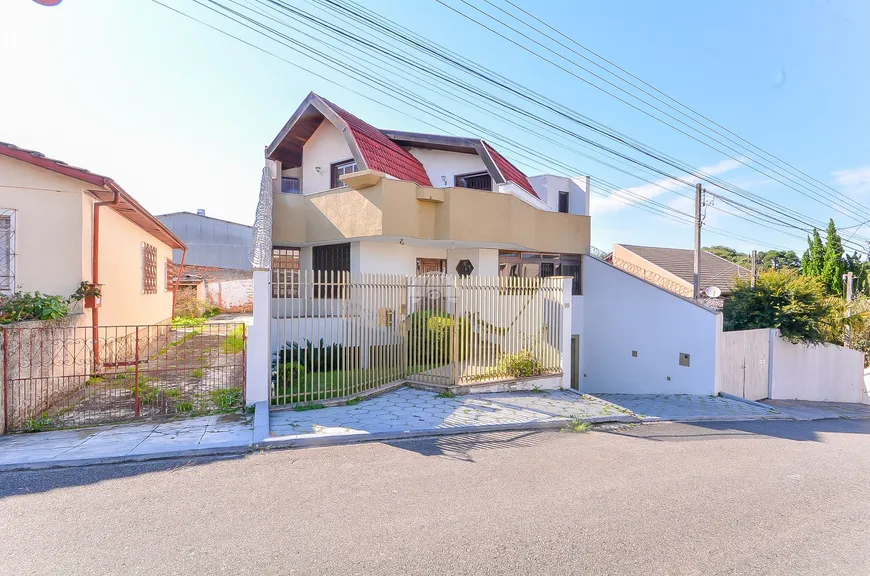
x: 374, y: 205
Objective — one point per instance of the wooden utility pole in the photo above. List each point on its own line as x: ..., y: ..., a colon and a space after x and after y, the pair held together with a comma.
x: 697, y: 283
x: 847, y: 336
x: 754, y: 259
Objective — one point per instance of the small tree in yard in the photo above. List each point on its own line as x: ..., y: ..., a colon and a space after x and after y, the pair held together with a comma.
x: 783, y: 299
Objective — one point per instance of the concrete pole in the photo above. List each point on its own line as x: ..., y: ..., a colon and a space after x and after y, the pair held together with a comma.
x: 566, y: 331
x: 697, y: 283
x: 754, y: 271
x: 847, y: 336
x: 259, y: 348
x: 588, y: 194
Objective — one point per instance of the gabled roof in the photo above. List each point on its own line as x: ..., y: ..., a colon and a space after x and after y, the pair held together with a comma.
x: 370, y: 148
x: 126, y: 206
x: 715, y: 271
x: 382, y: 150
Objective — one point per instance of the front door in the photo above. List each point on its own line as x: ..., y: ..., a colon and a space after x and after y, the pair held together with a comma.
x: 431, y: 265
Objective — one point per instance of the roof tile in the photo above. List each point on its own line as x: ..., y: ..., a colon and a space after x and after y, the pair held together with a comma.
x: 510, y: 172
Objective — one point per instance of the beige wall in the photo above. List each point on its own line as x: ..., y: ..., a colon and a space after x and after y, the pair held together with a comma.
x: 326, y: 146
x: 121, y: 271
x: 48, y: 223
x: 391, y: 208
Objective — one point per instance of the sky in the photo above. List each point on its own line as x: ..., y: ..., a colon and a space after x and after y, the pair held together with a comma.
x: 179, y: 114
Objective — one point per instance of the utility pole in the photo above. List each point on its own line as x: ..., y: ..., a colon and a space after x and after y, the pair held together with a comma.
x: 847, y: 336
x: 697, y: 286
x: 754, y: 259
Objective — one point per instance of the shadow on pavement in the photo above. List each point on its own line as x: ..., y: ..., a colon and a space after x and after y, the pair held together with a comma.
x: 459, y: 447
x: 800, y: 431
x: 35, y: 481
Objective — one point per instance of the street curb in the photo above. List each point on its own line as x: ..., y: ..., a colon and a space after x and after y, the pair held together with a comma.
x: 169, y: 455
x: 310, y: 441
x: 745, y: 401
x: 261, y: 421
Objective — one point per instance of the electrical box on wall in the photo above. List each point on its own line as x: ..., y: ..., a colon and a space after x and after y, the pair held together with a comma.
x: 684, y: 359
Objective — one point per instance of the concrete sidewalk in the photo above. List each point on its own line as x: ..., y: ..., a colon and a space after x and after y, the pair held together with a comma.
x: 223, y: 433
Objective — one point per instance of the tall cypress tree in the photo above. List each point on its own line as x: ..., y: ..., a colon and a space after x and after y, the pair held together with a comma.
x: 833, y: 265
x: 807, y: 258
x: 814, y: 257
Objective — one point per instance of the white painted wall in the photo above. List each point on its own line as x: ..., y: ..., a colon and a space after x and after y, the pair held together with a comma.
x: 623, y: 313
x: 394, y: 258
x: 548, y: 187
x: 231, y: 294
x: 484, y: 260
x: 823, y: 373
x: 438, y: 163
x: 326, y: 146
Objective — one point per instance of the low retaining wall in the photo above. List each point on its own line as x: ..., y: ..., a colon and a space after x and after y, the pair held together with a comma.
x: 822, y: 373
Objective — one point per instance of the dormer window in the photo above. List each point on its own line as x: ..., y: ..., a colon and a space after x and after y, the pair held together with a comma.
x: 339, y: 169
x: 475, y: 181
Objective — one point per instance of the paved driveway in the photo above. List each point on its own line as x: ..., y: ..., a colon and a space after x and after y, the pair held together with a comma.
x: 688, y: 407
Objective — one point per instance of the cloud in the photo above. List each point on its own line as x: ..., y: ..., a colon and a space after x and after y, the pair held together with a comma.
x: 855, y: 182
x: 618, y: 201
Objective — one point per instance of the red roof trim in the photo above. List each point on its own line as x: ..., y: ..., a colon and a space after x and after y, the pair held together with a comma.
x: 128, y: 207
x: 379, y: 152
x: 510, y: 172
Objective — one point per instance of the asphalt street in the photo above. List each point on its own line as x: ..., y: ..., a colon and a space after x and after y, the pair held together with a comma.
x: 777, y: 497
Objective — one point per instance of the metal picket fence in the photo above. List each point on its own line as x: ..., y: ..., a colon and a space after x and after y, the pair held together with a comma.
x: 337, y: 335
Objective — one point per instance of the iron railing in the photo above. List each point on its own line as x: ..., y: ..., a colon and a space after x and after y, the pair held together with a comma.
x: 57, y: 377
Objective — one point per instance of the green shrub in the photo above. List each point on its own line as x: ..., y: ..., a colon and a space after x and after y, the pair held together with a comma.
x: 320, y: 358
x: 430, y: 337
x: 520, y: 365
x: 32, y: 306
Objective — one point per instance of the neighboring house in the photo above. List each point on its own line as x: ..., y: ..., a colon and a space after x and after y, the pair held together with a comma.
x: 210, y: 241
x: 674, y: 269
x: 62, y: 226
x: 217, y: 266
x: 341, y: 196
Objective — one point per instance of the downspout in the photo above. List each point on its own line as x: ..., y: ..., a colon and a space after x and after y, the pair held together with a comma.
x: 95, y: 268
x: 178, y: 279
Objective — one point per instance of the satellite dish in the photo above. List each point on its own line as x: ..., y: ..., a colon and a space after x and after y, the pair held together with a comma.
x: 713, y: 292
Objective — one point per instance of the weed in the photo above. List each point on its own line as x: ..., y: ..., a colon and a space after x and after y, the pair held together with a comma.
x: 184, y: 407
x: 187, y: 322
x: 172, y: 393
x: 309, y: 406
x: 235, y: 342
x: 93, y: 380
x: 230, y: 398
x: 577, y: 425
x: 354, y: 401
x: 537, y: 390
x: 38, y: 424
x: 446, y: 394
x: 197, y: 373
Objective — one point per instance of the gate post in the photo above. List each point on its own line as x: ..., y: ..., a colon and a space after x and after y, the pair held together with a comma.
x: 5, y: 389
x: 259, y: 351
x: 566, y: 330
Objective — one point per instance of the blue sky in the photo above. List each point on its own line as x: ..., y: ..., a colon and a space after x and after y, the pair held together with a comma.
x: 179, y: 114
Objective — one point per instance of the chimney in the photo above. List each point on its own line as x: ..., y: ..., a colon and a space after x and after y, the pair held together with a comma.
x: 200, y: 212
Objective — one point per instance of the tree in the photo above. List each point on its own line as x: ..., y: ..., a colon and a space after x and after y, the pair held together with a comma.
x: 730, y: 254
x: 814, y: 258
x: 833, y: 266
x: 783, y: 299
x: 778, y: 259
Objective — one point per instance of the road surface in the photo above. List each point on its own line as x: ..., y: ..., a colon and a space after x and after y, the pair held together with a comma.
x: 751, y: 498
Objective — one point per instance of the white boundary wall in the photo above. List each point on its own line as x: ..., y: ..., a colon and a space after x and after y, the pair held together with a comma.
x: 624, y: 314
x: 822, y: 373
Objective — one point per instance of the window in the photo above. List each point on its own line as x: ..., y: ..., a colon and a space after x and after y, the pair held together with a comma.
x: 285, y: 273
x: 535, y: 265
x: 563, y: 202
x: 290, y: 185
x: 326, y: 261
x: 149, y: 269
x: 476, y: 181
x: 340, y: 169
x: 7, y: 251
x: 170, y: 274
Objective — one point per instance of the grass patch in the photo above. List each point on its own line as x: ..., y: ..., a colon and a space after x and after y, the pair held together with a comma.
x: 187, y: 322
x: 184, y: 407
x: 172, y: 393
x: 231, y: 398
x: 197, y: 373
x: 308, y: 406
x: 235, y: 342
x: 577, y: 425
x: 445, y: 394
x: 354, y: 401
x: 178, y: 342
x: 38, y: 424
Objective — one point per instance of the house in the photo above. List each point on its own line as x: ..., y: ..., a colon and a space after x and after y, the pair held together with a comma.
x: 63, y: 225
x: 360, y: 230
x: 217, y: 267
x: 674, y: 269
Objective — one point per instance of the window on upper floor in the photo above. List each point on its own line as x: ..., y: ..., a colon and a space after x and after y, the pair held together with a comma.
x: 149, y: 269
x: 290, y: 185
x: 7, y: 251
x: 475, y: 181
x: 340, y: 169
x: 563, y: 202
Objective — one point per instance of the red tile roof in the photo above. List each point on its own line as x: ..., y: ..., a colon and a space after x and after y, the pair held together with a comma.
x: 510, y: 172
x: 127, y: 205
x: 380, y: 153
